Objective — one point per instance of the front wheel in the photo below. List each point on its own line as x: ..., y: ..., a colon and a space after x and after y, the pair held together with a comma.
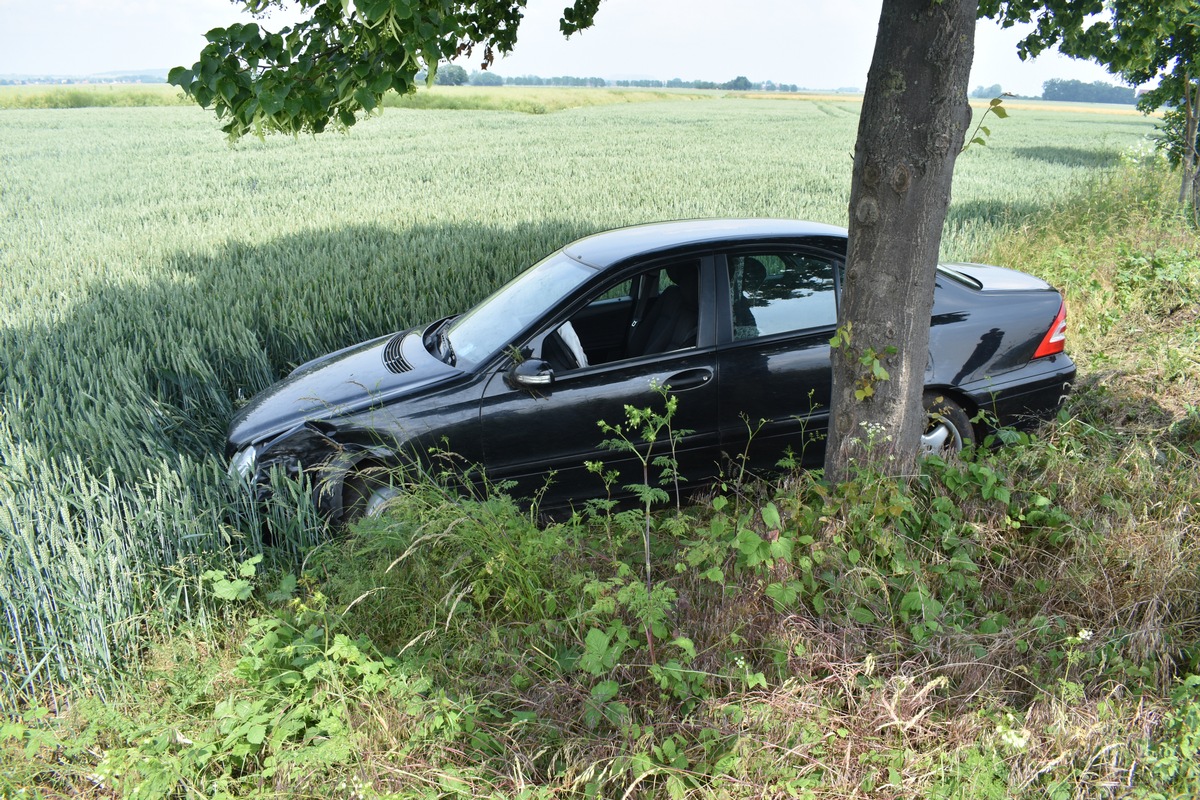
x: 948, y: 429
x: 366, y: 491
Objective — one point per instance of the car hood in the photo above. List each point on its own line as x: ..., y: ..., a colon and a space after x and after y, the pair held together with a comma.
x: 359, y: 377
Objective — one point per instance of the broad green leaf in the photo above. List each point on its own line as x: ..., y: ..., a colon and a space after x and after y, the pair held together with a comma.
x: 595, y: 652
x: 256, y: 734
x: 247, y: 568
x: 604, y: 691
x: 862, y: 615
x: 232, y: 590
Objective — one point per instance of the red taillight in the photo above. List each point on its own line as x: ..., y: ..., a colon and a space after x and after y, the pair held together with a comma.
x: 1055, y: 338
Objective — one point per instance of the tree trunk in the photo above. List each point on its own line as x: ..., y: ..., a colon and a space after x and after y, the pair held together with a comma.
x: 914, y: 118
x: 1191, y: 93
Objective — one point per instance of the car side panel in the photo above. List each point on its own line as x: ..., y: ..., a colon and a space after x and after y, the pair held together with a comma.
x: 527, y: 434
x: 779, y: 388
x: 446, y: 419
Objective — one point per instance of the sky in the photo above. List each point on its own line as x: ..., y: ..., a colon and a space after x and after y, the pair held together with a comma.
x: 816, y: 44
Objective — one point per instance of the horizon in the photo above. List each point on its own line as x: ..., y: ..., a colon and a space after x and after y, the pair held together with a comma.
x: 803, y: 42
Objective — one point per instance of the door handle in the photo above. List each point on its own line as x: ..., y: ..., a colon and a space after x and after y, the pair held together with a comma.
x: 689, y: 379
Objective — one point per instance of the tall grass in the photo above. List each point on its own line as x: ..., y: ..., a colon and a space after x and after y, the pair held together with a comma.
x: 528, y: 100
x: 87, y: 96
x: 155, y: 278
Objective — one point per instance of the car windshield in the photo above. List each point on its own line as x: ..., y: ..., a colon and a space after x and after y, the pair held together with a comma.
x: 498, y: 320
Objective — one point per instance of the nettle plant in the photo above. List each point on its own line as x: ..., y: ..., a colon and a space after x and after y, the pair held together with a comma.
x: 642, y: 429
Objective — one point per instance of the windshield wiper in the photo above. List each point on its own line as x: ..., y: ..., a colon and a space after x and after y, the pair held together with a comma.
x: 445, y: 349
x: 438, y: 343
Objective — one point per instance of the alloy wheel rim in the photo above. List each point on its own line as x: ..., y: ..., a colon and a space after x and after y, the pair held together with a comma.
x: 941, y: 438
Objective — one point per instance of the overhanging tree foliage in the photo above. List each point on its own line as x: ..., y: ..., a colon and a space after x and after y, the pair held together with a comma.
x: 342, y: 58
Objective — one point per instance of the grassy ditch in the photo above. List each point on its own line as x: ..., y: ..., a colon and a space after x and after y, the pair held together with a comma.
x: 1018, y: 623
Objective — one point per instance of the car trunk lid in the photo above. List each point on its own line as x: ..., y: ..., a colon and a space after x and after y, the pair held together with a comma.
x: 988, y: 278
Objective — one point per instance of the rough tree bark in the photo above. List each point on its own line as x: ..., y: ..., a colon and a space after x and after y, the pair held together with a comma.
x: 914, y: 118
x: 1191, y: 173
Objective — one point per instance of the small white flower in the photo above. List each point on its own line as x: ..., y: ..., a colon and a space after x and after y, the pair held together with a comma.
x: 1084, y: 634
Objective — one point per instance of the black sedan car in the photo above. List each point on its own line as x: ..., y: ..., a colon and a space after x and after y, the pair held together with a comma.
x: 734, y: 316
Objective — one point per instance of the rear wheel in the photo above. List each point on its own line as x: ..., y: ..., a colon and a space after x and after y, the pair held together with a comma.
x: 948, y: 429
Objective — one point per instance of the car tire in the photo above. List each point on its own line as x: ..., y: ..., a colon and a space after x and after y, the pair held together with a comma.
x: 366, y: 490
x: 948, y: 428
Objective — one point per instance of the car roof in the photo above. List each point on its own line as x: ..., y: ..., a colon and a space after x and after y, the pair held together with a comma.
x: 604, y: 249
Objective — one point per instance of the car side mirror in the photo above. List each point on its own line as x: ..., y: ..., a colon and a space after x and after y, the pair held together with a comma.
x: 530, y: 374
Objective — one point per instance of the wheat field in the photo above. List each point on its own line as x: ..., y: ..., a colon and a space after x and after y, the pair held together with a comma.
x: 155, y: 277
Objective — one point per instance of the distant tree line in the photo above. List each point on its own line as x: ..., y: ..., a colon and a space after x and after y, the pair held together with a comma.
x: 1080, y: 92
x: 43, y: 80
x: 534, y: 80
x: 740, y: 83
x: 1069, y: 91
x: 987, y: 92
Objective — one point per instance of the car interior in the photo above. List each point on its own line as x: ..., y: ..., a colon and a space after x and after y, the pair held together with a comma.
x: 656, y: 311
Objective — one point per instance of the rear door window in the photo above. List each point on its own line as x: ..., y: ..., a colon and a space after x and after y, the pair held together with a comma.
x: 781, y: 292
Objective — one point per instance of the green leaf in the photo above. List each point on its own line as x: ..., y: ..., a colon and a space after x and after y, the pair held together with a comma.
x: 750, y: 544
x: 179, y: 76
x: 256, y: 734
x: 285, y: 590
x: 272, y: 101
x: 604, y: 691
x: 781, y: 548
x: 1000, y: 112
x: 227, y: 88
x: 911, y: 601
x: 784, y: 594
x: 244, y: 33
x: 862, y: 615
x: 380, y: 84
x: 365, y: 98
x: 770, y: 516
x: 686, y: 645
x: 343, y: 649
x: 595, y: 652
x: 232, y: 590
